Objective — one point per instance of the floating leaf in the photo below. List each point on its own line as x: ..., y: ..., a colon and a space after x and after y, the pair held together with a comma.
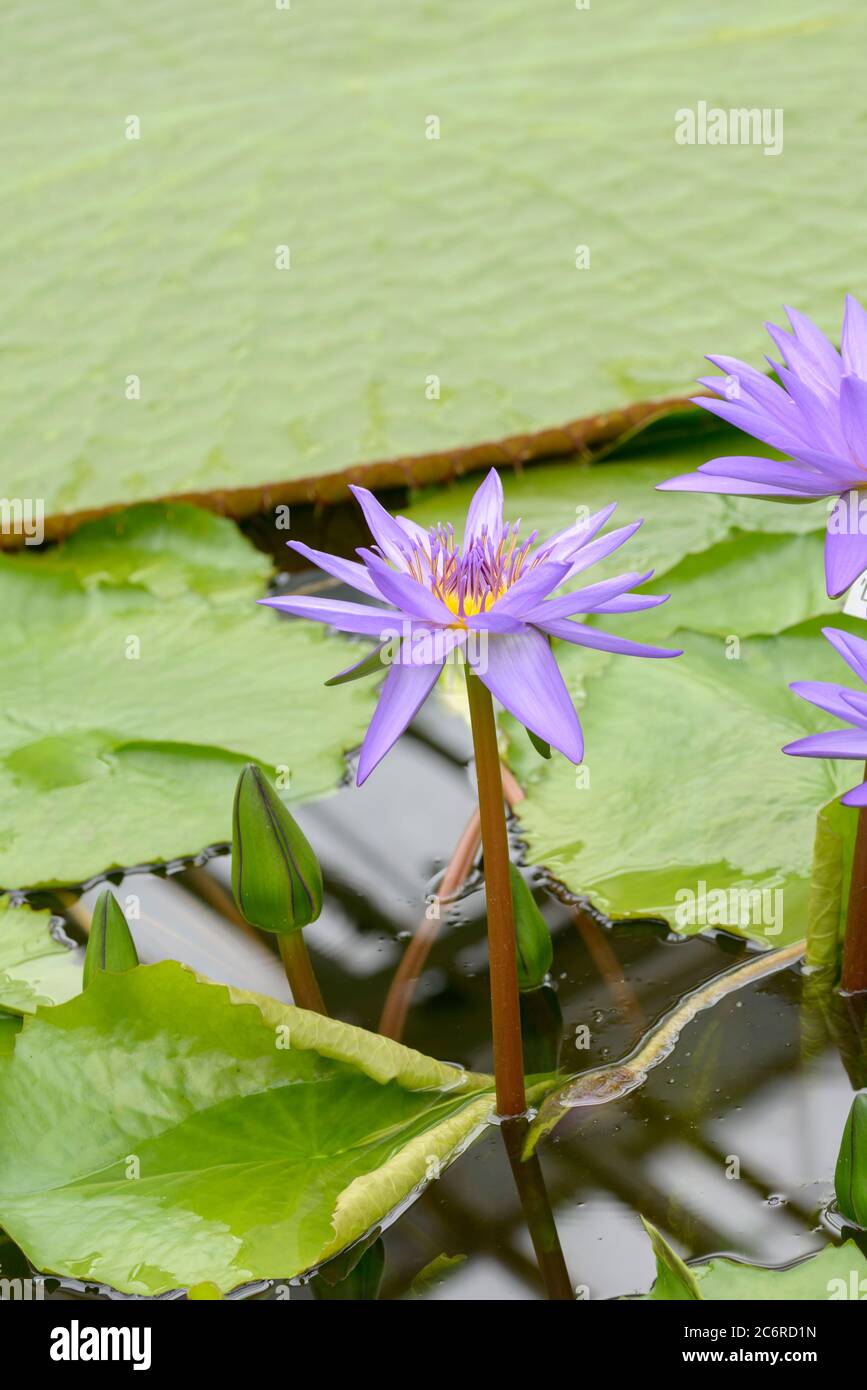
x: 236, y: 303
x: 36, y: 967
x: 162, y: 1131
x: 674, y: 1279
x: 684, y: 767
x: 850, y: 1177
x: 834, y: 1273
x: 133, y: 755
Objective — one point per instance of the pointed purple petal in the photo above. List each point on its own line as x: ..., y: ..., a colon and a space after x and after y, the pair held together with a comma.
x: 485, y: 511
x: 601, y: 548
x: 824, y: 355
x: 853, y: 418
x: 404, y: 691
x: 827, y: 696
x: 524, y: 676
x: 564, y: 544
x: 345, y: 617
x: 845, y: 546
x: 406, y: 592
x: 391, y: 538
x: 583, y: 636
x: 587, y: 599
x: 852, y: 649
x: 759, y: 470
x: 533, y: 586
x: 856, y: 797
x: 840, y: 743
x: 732, y: 487
x: 347, y: 571
x: 854, y: 343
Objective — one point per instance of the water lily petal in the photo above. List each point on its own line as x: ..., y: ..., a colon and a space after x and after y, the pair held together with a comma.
x: 563, y: 544
x: 533, y: 586
x: 845, y: 546
x: 759, y: 470
x: 404, y: 691
x: 856, y: 797
x: 523, y: 675
x: 584, y: 636
x: 853, y: 418
x: 632, y: 603
x: 834, y: 699
x: 602, y: 547
x: 839, y: 743
x: 404, y: 591
x: 391, y: 538
x: 734, y: 487
x: 345, y: 617
x: 586, y: 600
x: 485, y: 511
x: 854, y: 338
x: 852, y: 649
x: 347, y: 571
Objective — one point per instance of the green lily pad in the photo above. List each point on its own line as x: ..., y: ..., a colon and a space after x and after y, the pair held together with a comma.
x: 676, y: 527
x: 686, y: 809
x: 837, y: 1272
x: 167, y: 1131
x: 35, y: 967
x: 522, y: 259
x: 140, y: 677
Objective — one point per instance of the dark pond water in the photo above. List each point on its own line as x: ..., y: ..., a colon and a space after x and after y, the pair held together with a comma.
x: 764, y: 1076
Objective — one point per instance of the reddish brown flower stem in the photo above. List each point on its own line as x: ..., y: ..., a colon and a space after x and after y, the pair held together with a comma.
x: 502, y: 956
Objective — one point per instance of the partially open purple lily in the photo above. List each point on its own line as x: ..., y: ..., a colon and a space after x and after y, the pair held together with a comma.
x: 492, y: 585
x: 818, y: 417
x: 849, y: 705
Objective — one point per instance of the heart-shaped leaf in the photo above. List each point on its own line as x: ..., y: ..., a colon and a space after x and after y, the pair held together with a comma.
x: 161, y: 1131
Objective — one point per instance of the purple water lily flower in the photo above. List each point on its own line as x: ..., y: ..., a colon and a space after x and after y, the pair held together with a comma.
x: 849, y: 705
x: 817, y: 416
x: 487, y: 596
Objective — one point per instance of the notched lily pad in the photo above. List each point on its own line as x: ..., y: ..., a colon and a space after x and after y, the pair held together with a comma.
x: 168, y: 1131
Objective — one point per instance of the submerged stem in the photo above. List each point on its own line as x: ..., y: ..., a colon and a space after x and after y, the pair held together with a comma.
x: 854, y: 976
x: 505, y: 1008
x: 299, y: 972
x: 538, y: 1215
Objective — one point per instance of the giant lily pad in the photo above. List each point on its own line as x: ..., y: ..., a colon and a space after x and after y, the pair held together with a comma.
x: 160, y: 1131
x: 140, y: 676
x: 228, y: 289
x: 36, y: 966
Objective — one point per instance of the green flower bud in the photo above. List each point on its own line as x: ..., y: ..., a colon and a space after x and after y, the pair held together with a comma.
x: 533, y: 939
x: 850, y: 1177
x: 276, y: 877
x: 110, y: 946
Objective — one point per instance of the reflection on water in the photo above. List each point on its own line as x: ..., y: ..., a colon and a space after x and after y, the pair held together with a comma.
x: 762, y: 1078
